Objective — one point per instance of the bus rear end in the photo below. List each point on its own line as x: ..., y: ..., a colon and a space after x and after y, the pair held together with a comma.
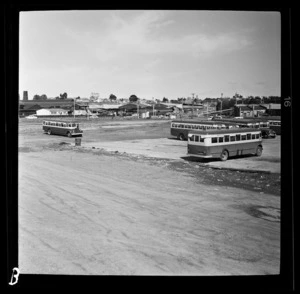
x: 196, y: 146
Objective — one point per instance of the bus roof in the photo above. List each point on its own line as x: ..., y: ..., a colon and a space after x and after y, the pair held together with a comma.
x: 265, y: 118
x: 61, y: 121
x: 223, y: 131
x: 208, y: 122
x: 239, y: 120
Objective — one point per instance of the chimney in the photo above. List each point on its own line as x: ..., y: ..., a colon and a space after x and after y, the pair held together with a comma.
x: 25, y: 96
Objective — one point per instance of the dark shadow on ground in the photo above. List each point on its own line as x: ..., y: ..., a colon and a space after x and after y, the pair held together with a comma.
x: 207, y: 160
x: 174, y: 138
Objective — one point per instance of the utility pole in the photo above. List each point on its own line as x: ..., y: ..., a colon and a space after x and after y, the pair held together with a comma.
x: 221, y: 101
x: 74, y: 108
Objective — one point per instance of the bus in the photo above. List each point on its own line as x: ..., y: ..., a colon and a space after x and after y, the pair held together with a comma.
x: 246, y: 123
x: 275, y: 125
x: 224, y: 143
x: 64, y: 128
x: 181, y: 128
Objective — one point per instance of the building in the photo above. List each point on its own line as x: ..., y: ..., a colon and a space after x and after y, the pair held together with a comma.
x: 28, y: 109
x: 31, y: 106
x: 249, y: 110
x: 52, y: 112
x: 273, y: 109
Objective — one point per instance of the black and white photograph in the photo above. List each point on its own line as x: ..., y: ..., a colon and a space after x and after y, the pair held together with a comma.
x: 149, y: 143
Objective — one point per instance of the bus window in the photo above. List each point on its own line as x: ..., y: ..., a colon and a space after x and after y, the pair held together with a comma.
x: 253, y: 136
x: 192, y: 138
x: 196, y: 138
x: 64, y: 124
x: 226, y: 138
x: 238, y: 137
x: 173, y: 125
x: 221, y: 139
x: 69, y: 125
x: 201, y: 139
x: 243, y: 137
x: 214, y: 140
x: 248, y: 136
x: 232, y: 138
x: 257, y: 136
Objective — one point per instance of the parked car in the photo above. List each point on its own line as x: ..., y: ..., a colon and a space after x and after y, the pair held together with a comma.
x: 268, y: 133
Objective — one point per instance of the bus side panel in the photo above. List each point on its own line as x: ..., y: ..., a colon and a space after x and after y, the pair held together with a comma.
x: 243, y: 149
x: 216, y: 151
x: 177, y: 132
x: 233, y: 149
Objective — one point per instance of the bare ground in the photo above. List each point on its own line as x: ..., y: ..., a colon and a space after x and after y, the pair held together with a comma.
x: 92, y: 211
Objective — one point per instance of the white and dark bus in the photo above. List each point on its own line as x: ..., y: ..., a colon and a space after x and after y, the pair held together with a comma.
x: 64, y: 128
x: 275, y: 125
x: 181, y: 128
x: 224, y: 143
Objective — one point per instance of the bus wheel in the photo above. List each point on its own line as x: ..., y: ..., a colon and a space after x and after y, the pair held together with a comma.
x: 69, y: 135
x: 224, y: 155
x: 49, y: 132
x: 181, y: 137
x: 258, y: 151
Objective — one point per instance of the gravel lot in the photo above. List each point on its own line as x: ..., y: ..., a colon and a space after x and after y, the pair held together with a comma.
x: 128, y: 202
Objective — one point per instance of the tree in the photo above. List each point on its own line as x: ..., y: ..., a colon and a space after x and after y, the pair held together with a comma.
x: 63, y: 96
x: 112, y: 97
x: 133, y: 98
x: 38, y: 97
x: 236, y: 95
x: 165, y: 100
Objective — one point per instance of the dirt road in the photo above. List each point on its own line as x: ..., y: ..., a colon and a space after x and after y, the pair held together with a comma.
x: 88, y: 213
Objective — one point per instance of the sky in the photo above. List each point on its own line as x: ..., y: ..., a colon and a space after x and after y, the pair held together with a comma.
x: 150, y: 53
